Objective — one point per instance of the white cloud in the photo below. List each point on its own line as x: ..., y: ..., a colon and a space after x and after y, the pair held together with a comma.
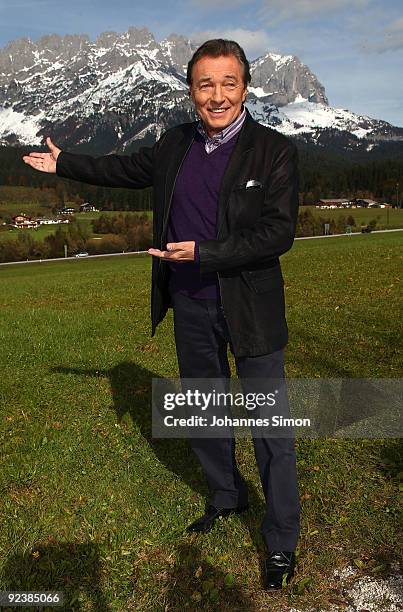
x: 253, y: 42
x: 397, y: 25
x: 393, y: 36
x: 389, y: 39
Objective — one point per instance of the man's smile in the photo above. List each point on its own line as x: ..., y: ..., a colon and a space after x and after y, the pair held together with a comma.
x: 217, y: 111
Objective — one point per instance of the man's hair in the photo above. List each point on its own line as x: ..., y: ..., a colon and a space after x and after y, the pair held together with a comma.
x: 216, y: 47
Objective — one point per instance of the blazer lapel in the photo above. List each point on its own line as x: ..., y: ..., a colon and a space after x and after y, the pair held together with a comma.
x: 242, y: 146
x: 178, y: 155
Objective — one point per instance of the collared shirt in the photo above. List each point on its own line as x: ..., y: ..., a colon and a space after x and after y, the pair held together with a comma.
x: 222, y: 137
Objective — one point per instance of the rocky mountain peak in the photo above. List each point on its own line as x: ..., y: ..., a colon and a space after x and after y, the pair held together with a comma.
x: 177, y: 51
x: 280, y: 79
x: 106, y: 39
x: 140, y: 37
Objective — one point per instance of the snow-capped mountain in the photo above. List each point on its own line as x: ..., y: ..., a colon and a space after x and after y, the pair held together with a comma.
x: 123, y: 90
x: 307, y: 120
x: 110, y: 92
x: 280, y: 79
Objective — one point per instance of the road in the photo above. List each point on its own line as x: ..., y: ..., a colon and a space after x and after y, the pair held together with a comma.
x: 14, y: 263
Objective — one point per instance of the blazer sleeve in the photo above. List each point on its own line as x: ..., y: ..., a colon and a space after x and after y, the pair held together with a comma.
x: 273, y: 234
x: 133, y: 171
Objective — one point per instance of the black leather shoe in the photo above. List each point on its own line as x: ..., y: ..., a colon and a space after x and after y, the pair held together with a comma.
x: 279, y: 567
x: 205, y: 523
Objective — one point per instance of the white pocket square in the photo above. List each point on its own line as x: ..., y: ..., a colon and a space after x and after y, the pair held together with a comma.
x: 252, y: 183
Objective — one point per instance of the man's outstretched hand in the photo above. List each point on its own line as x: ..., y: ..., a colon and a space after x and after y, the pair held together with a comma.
x: 44, y: 162
x: 176, y: 251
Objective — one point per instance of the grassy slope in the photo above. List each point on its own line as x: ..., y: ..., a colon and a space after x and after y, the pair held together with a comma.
x: 37, y: 234
x: 362, y: 216
x: 92, y: 505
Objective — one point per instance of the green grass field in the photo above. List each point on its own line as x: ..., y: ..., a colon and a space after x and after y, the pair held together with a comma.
x: 92, y: 505
x: 38, y: 233
x: 362, y: 216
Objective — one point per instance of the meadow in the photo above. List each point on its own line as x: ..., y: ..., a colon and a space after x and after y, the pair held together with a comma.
x: 385, y: 219
x: 92, y: 505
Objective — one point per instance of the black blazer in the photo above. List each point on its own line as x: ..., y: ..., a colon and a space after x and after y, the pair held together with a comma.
x: 255, y: 224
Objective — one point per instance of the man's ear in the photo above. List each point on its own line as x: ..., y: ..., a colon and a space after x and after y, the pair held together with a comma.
x: 245, y: 93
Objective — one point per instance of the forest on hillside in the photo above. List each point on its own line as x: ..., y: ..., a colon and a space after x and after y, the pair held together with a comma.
x: 322, y: 175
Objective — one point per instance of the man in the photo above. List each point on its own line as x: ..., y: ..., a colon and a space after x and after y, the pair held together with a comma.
x: 225, y: 209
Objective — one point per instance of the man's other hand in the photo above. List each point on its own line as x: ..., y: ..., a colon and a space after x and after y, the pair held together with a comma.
x: 44, y: 162
x: 178, y: 252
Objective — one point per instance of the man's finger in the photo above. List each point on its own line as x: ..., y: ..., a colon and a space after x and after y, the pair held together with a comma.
x: 50, y: 144
x: 157, y: 253
x: 40, y: 155
x: 36, y: 164
x: 166, y: 254
x: 178, y: 246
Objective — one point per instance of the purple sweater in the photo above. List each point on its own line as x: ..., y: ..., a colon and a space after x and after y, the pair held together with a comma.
x: 193, y: 214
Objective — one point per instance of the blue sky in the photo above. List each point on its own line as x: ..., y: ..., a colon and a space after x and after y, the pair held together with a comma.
x: 355, y: 47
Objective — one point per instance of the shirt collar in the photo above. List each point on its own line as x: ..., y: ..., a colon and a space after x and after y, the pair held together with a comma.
x: 233, y: 127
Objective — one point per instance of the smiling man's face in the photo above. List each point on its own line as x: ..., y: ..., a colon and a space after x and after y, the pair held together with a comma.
x: 218, y: 91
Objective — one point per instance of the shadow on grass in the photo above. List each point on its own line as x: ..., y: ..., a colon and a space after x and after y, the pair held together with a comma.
x: 391, y: 458
x: 131, y: 386
x: 391, y: 466
x: 194, y: 580
x: 131, y: 391
x: 341, y: 404
x: 70, y: 568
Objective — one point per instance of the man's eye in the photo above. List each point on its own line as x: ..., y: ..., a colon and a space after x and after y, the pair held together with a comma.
x: 230, y: 85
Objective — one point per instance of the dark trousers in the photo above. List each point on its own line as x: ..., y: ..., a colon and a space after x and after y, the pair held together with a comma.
x: 202, y: 337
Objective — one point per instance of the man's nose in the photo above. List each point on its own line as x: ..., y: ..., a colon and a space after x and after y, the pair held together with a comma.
x: 218, y: 94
